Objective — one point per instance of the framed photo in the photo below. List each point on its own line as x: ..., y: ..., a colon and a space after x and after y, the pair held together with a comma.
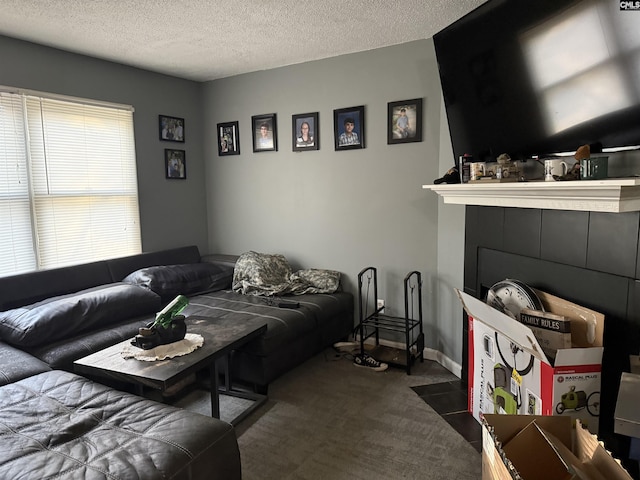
x: 265, y: 134
x: 175, y: 164
x: 348, y: 126
x: 171, y: 128
x: 305, y: 132
x: 404, y: 121
x: 228, y: 139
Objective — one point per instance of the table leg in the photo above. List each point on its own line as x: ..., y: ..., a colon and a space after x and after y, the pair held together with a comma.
x: 215, y: 401
x: 227, y: 373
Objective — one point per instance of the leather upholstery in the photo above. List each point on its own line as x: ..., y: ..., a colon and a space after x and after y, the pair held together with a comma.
x: 31, y: 287
x: 60, y: 425
x: 121, y: 267
x: 61, y: 354
x: 60, y: 317
x: 16, y: 364
x: 54, y: 423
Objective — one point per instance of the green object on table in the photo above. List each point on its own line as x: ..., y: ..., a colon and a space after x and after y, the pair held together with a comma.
x: 165, y: 316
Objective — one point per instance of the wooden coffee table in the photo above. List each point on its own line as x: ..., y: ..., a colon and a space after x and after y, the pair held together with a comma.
x: 220, y: 339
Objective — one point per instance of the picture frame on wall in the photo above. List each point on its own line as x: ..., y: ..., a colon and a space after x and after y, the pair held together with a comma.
x: 265, y: 132
x: 349, y: 128
x: 175, y: 164
x: 171, y: 128
x: 305, y: 133
x: 228, y: 139
x: 404, y: 121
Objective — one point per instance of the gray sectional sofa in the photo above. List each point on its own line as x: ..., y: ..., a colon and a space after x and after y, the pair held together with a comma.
x: 53, y: 420
x: 55, y: 424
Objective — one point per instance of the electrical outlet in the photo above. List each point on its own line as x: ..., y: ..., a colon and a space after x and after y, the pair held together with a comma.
x: 380, y: 305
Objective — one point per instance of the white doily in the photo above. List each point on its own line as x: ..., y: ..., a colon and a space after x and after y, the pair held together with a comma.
x: 188, y: 344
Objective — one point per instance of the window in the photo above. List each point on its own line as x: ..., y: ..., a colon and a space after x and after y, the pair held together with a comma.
x: 68, y: 186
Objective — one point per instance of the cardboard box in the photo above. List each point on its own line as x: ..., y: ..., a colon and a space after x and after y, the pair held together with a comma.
x: 587, y: 326
x: 534, y: 447
x: 509, y: 372
x: 552, y: 331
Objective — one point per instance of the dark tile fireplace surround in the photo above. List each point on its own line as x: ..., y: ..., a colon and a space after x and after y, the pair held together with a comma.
x: 590, y: 258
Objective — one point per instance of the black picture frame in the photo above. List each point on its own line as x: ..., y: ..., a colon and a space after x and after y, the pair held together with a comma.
x: 175, y: 164
x: 344, y: 140
x: 409, y: 112
x: 265, y: 132
x: 298, y: 122
x: 171, y: 129
x: 228, y: 139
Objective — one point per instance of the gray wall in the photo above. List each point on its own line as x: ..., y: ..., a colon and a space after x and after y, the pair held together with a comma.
x: 342, y: 210
x: 451, y: 240
x: 172, y: 212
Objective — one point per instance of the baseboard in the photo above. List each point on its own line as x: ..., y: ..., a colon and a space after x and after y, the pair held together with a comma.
x: 429, y: 354
x: 443, y: 360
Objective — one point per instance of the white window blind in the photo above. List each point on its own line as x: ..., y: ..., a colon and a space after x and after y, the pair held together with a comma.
x: 68, y: 191
x: 16, y: 238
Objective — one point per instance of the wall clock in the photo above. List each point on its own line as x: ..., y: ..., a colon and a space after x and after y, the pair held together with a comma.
x: 510, y: 296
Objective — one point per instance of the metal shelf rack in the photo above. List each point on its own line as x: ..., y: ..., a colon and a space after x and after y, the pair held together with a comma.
x: 372, y: 320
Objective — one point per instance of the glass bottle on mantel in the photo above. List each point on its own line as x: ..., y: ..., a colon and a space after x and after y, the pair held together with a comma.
x: 465, y: 167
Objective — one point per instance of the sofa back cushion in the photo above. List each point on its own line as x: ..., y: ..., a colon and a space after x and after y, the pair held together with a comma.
x: 31, y: 287
x: 187, y: 279
x: 121, y: 267
x: 64, y: 316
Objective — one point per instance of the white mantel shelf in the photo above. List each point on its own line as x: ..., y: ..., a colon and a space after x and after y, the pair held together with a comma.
x: 610, y: 195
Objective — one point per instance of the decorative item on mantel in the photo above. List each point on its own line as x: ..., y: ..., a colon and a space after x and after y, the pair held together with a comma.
x: 591, y: 168
x: 502, y: 171
x: 452, y: 176
x: 594, y: 168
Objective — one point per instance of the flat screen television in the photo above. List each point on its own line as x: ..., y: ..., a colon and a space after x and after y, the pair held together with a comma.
x: 540, y: 78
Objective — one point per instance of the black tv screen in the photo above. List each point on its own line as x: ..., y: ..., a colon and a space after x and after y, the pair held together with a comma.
x: 538, y: 78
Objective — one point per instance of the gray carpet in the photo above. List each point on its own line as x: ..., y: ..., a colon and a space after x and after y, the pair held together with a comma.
x: 200, y: 401
x: 328, y: 419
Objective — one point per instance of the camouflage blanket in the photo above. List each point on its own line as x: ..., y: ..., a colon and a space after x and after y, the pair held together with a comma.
x: 270, y: 274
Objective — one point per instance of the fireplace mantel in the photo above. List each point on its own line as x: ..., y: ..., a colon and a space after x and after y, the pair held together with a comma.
x: 610, y: 195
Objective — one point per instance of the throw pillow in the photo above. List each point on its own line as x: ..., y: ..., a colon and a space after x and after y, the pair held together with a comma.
x: 168, y: 281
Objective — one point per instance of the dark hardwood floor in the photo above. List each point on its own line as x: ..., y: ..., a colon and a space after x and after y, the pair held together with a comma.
x: 449, y: 399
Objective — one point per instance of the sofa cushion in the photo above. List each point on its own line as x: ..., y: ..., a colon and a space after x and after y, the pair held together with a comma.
x: 60, y: 317
x: 31, y: 287
x: 186, y: 279
x: 60, y: 425
x: 16, y: 364
x: 61, y: 354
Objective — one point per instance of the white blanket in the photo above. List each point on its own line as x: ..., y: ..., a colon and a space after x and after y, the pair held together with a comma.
x: 188, y: 344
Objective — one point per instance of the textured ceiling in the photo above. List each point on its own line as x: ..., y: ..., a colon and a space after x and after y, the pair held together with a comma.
x: 204, y: 40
